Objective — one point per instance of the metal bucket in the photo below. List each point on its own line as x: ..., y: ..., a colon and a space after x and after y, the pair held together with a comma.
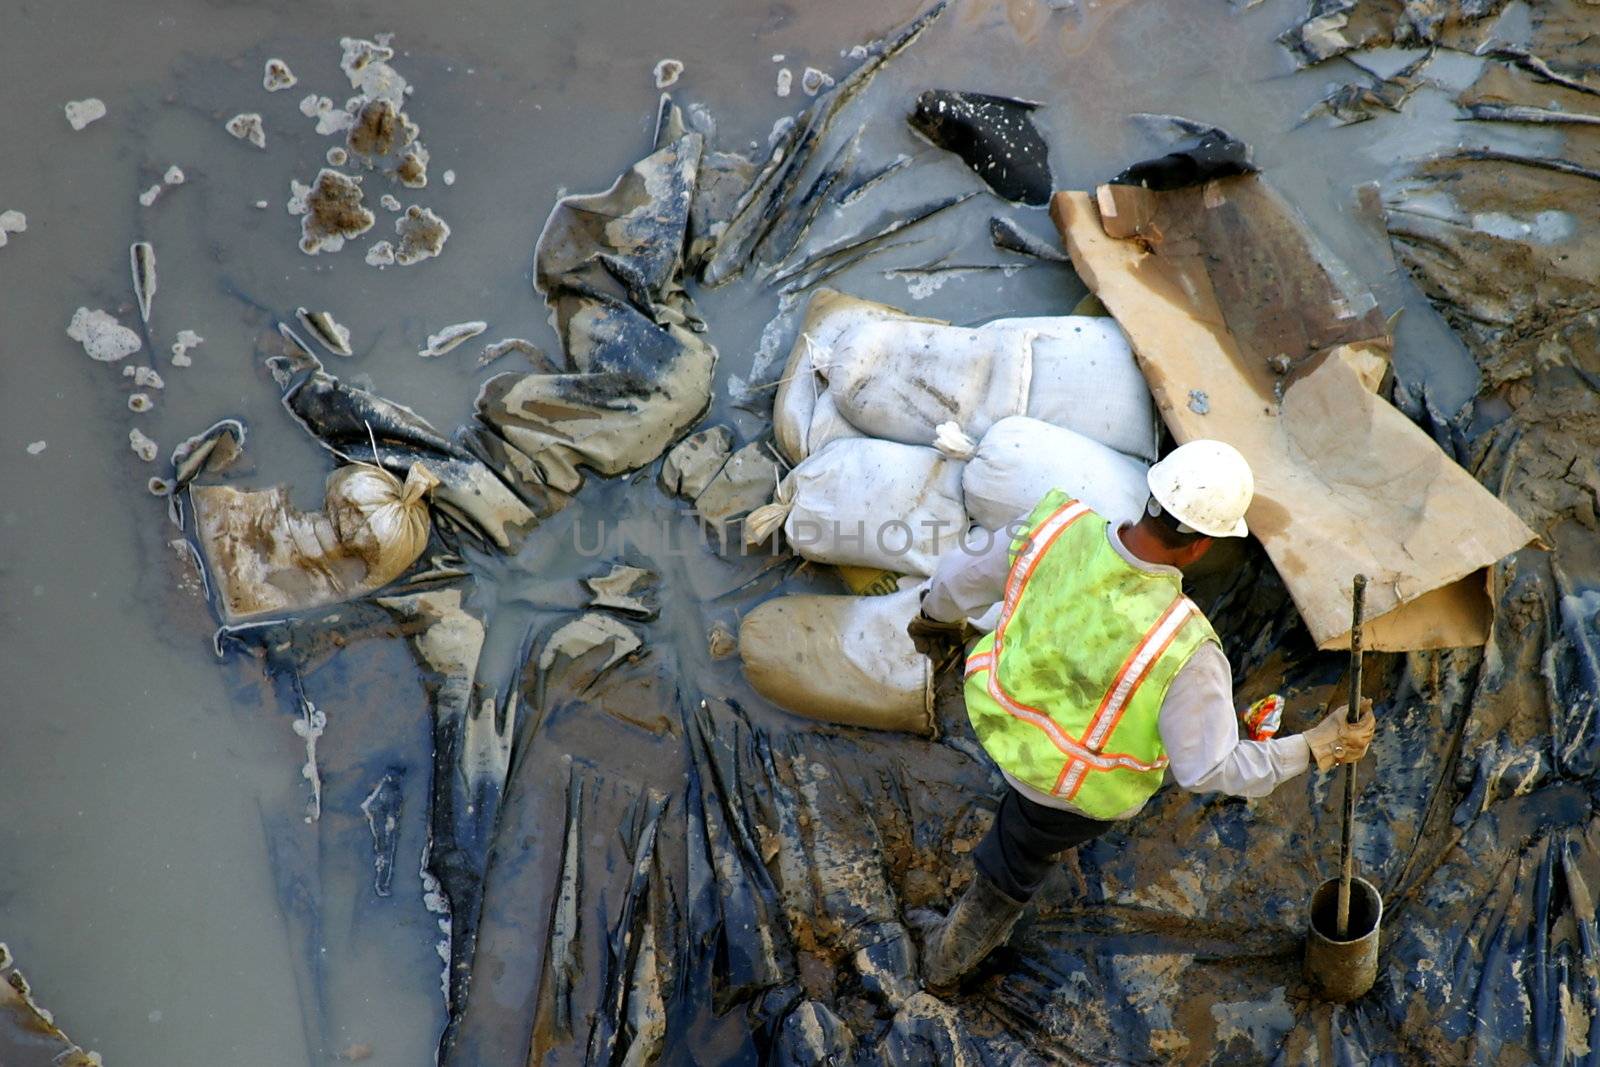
x: 1343, y: 970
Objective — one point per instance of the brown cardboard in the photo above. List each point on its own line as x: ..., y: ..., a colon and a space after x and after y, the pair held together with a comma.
x: 1221, y: 289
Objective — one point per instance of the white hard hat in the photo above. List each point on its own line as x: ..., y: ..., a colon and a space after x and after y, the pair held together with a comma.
x: 1207, y: 486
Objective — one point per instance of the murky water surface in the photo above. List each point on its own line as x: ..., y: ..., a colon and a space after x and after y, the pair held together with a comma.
x: 151, y: 788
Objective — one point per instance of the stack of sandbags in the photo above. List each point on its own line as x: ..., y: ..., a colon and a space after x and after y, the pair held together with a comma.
x: 863, y: 375
x: 904, y: 432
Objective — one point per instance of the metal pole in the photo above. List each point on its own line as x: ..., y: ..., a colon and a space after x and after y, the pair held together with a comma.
x: 1346, y: 858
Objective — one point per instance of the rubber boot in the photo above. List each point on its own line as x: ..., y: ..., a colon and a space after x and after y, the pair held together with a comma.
x: 979, y: 923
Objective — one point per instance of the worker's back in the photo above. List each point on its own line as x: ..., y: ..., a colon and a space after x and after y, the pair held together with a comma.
x: 1066, y: 693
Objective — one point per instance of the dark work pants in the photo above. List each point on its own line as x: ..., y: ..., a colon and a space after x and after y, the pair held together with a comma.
x: 1025, y: 841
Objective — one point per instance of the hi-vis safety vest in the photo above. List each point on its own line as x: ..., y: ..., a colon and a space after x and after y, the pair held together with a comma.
x: 1066, y: 693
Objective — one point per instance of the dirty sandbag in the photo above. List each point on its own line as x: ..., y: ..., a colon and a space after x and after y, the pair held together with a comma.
x: 900, y: 380
x: 1020, y: 459
x: 354, y: 424
x: 615, y: 418
x: 1085, y: 378
x: 637, y: 373
x: 263, y: 556
x: 841, y: 659
x: 829, y: 313
x: 868, y: 503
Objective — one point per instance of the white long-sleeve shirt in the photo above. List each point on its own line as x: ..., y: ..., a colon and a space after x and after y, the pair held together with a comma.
x: 1199, y: 727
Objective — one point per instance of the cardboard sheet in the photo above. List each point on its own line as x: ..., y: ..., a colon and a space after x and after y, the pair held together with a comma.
x: 1250, y: 333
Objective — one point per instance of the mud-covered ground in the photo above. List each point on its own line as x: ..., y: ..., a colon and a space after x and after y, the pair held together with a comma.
x: 674, y: 867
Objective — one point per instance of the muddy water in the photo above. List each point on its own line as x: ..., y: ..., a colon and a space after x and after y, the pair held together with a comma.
x: 146, y: 783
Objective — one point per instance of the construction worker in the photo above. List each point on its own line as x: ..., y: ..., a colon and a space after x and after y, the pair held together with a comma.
x: 1099, y: 676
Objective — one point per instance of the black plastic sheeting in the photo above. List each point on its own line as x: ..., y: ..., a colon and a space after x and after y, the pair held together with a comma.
x: 637, y: 870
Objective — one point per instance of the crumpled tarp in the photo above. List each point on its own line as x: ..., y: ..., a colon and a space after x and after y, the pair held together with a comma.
x: 636, y: 863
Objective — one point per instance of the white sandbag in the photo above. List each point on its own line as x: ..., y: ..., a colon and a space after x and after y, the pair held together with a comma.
x: 1085, y: 378
x: 841, y: 659
x: 1021, y: 459
x: 900, y: 380
x: 827, y: 425
x: 829, y: 313
x: 868, y: 503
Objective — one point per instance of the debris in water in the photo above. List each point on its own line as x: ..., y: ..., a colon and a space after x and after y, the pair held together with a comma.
x: 413, y: 168
x: 1199, y: 402
x: 382, y: 809
x: 142, y: 446
x: 139, y: 403
x: 1280, y: 364
x: 332, y: 212
x: 379, y: 129
x: 813, y: 81
x: 587, y: 633
x: 535, y: 354
x: 695, y: 460
x: 247, y: 127
x: 11, y: 222
x: 389, y: 202
x: 667, y: 72
x: 102, y: 336
x: 277, y: 76
x: 261, y: 205
x: 142, y: 260
x: 36, y: 447
x: 381, y: 254
x: 82, y: 112
x: 149, y: 196
x: 309, y: 726
x: 330, y: 334
x: 187, y: 339
x: 330, y: 120
x: 174, y: 175
x: 720, y: 641
x: 449, y: 177
x: 337, y: 157
x: 365, y: 63
x: 159, y: 486
x: 361, y: 1050
x: 995, y: 137
x: 212, y: 450
x: 422, y: 235
x: 451, y: 336
x: 1006, y: 234
x: 625, y: 590
x: 144, y: 377
x: 785, y: 80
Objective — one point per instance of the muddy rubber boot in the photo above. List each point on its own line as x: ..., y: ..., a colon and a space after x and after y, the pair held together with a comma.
x: 979, y: 923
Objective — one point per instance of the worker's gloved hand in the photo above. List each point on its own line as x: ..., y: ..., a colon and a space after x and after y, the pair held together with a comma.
x: 942, y: 642
x: 1262, y: 719
x: 1334, y: 741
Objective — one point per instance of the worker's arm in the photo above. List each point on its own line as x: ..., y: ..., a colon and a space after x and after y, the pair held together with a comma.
x: 1200, y: 731
x: 969, y: 580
